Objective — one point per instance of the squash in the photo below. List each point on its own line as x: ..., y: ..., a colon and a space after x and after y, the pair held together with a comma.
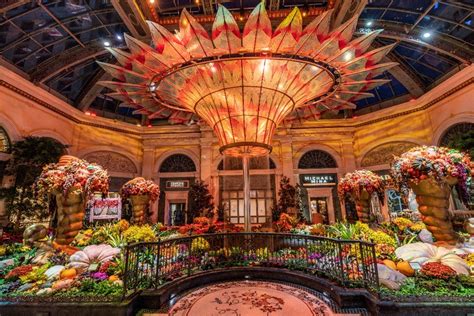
x: 422, y: 253
x: 405, y: 268
x: 390, y: 264
x: 114, y: 278
x: 94, y: 254
x: 68, y: 274
x: 53, y: 272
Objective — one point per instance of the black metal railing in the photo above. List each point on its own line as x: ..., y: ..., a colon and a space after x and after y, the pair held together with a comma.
x: 350, y: 263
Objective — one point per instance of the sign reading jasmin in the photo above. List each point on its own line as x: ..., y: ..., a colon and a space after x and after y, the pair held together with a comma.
x: 318, y: 179
x: 177, y: 184
x: 108, y: 208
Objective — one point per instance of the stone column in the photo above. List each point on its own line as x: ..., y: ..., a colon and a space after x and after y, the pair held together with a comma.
x: 349, y: 165
x: 287, y: 159
x: 148, y: 163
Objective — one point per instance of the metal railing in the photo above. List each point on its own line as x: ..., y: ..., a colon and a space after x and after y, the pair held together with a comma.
x: 350, y: 263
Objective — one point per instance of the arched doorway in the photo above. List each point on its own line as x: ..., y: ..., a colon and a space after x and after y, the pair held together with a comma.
x: 317, y: 171
x: 177, y: 172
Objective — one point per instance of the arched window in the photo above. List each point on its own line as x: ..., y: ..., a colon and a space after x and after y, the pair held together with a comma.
x: 178, y: 163
x: 4, y: 141
x: 234, y: 163
x: 316, y: 159
x: 459, y: 136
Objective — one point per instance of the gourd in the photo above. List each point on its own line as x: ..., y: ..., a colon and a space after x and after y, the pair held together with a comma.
x: 422, y: 253
x: 53, y: 272
x: 83, y: 259
x: 390, y: 264
x: 405, y: 268
x: 68, y: 274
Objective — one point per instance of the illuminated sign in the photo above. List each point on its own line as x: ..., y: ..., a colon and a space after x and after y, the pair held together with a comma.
x: 177, y: 184
x: 318, y: 179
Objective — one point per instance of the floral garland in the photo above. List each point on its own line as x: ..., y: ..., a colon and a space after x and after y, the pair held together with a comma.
x: 78, y: 174
x: 140, y: 186
x: 433, y: 162
x: 354, y: 183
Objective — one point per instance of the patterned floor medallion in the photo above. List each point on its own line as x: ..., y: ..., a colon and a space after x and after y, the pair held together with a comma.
x: 250, y: 298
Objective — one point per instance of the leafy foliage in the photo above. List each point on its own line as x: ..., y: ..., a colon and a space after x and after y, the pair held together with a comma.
x: 287, y: 199
x: 201, y: 201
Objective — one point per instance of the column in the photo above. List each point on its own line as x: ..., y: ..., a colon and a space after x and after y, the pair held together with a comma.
x: 349, y: 165
x: 287, y: 159
x: 148, y: 163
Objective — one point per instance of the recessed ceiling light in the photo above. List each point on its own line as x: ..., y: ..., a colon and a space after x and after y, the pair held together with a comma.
x: 426, y: 35
x: 369, y: 23
x: 119, y: 37
x: 106, y: 43
x: 348, y: 56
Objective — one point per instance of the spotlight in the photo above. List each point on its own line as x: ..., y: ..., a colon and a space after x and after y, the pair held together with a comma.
x: 106, y: 43
x: 305, y: 14
x: 348, y: 56
x: 152, y: 1
x: 426, y: 35
x: 369, y: 23
x: 119, y: 37
x: 87, y: 113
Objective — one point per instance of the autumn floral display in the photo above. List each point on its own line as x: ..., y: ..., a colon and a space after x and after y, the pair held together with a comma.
x: 140, y: 186
x: 430, y: 172
x: 359, y: 186
x: 437, y: 270
x: 78, y: 174
x: 438, y: 163
x: 354, y: 183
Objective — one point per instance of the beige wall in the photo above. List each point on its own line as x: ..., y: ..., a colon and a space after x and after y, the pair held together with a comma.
x: 26, y: 109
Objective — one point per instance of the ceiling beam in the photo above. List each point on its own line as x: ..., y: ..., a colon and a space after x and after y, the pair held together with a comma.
x: 92, y: 90
x: 8, y: 5
x: 65, y: 60
x: 132, y: 16
x: 345, y: 9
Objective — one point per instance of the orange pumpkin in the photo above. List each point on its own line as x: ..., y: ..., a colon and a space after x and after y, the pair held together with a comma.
x: 405, y: 268
x: 390, y: 264
x: 114, y: 278
x: 68, y: 274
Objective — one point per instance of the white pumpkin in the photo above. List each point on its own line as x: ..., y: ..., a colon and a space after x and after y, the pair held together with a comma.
x: 421, y: 253
x: 92, y: 254
x: 53, y: 272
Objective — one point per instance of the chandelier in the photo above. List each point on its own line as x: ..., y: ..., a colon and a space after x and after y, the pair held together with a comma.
x: 244, y: 85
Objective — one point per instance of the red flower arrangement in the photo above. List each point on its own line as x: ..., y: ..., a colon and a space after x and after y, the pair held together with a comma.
x: 352, y: 184
x: 437, y: 270
x: 438, y: 163
x: 18, y: 272
x: 77, y: 173
x: 140, y: 186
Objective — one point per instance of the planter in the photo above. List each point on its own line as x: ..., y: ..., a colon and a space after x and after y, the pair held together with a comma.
x: 140, y: 204
x: 433, y: 203
x: 71, y: 211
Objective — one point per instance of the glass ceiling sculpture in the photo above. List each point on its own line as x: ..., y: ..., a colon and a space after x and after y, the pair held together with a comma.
x: 244, y: 85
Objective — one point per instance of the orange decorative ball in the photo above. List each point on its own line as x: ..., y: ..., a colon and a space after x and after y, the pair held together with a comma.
x: 68, y: 274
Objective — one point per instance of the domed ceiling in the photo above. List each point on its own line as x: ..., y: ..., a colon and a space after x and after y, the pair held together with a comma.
x: 56, y: 43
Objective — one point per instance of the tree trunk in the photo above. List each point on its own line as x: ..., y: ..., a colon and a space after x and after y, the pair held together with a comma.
x: 140, y: 204
x: 433, y: 203
x: 71, y: 210
x: 363, y: 206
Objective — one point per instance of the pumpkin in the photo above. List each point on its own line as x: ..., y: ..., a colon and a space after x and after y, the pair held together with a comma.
x: 113, y: 278
x: 405, y: 268
x: 68, y: 274
x: 390, y: 264
x: 422, y: 253
x: 93, y: 254
x: 53, y: 272
x: 62, y: 284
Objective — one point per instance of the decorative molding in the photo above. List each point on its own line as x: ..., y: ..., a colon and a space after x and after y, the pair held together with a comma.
x: 384, y: 153
x: 112, y: 161
x: 112, y: 128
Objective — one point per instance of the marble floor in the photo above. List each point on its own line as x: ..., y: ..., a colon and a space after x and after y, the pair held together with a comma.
x: 250, y: 298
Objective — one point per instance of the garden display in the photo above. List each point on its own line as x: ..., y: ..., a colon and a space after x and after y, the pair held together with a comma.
x: 359, y: 186
x: 141, y: 193
x: 71, y: 182
x: 431, y: 172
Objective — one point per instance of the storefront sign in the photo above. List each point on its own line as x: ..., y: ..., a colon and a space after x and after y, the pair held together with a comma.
x: 318, y: 179
x: 177, y: 184
x: 108, y: 208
